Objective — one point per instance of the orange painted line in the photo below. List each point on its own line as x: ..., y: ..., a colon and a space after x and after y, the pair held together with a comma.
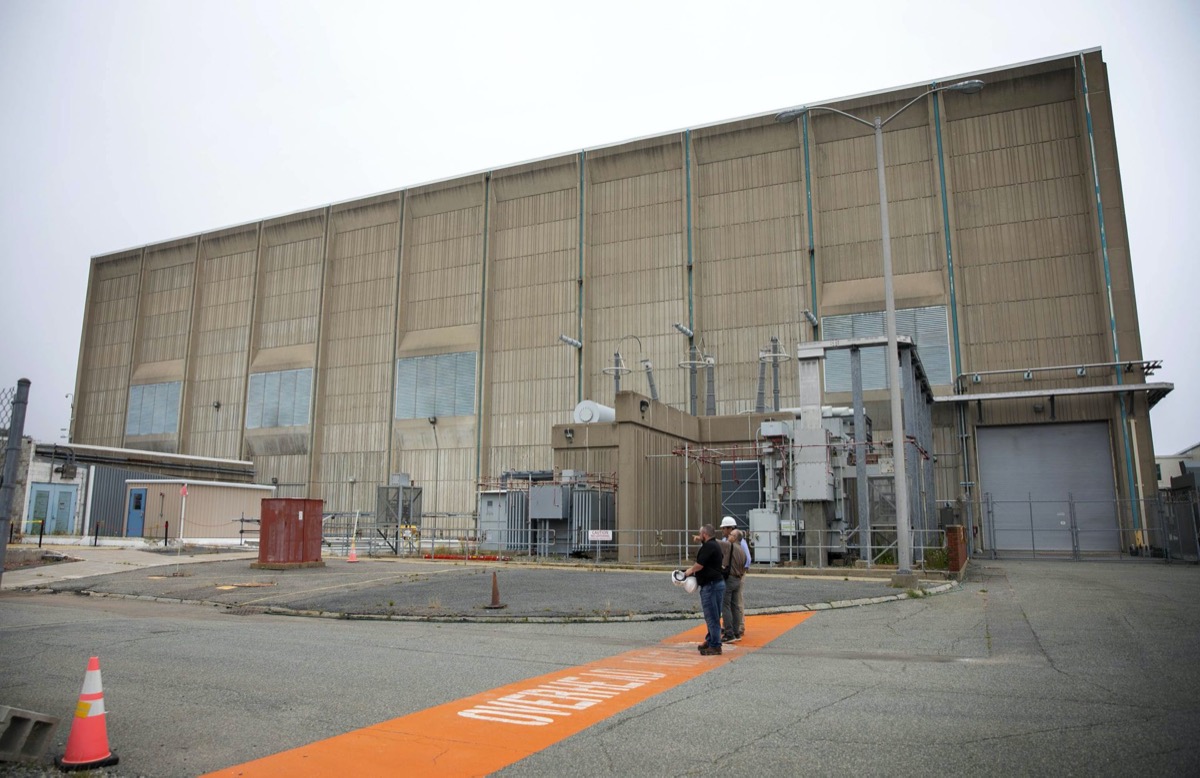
x: 481, y: 734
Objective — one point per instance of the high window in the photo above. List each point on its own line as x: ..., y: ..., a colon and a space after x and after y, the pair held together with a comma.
x: 153, y: 409
x: 435, y: 385
x: 926, y: 326
x: 279, y: 399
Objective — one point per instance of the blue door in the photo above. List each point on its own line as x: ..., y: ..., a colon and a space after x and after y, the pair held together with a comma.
x: 136, y: 521
x: 51, y: 506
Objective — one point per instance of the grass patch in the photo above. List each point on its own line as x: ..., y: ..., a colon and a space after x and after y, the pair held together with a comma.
x: 937, y: 559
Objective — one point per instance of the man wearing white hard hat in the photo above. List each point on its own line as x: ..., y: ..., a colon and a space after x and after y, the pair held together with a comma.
x: 737, y: 561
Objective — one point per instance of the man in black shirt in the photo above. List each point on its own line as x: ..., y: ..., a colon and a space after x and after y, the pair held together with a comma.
x: 711, y: 579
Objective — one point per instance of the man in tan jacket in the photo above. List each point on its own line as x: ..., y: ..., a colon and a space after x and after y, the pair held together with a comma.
x: 733, y: 623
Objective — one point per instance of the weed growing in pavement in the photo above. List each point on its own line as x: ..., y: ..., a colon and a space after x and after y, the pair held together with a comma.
x: 937, y: 559
x: 915, y: 594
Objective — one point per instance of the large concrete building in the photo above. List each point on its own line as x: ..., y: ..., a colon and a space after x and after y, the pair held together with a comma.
x: 417, y: 331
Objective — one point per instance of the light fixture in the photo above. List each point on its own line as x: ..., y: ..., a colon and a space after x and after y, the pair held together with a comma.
x: 687, y: 331
x: 1028, y: 375
x: 968, y: 87
x: 812, y: 318
x: 216, y: 405
x: 433, y: 420
x: 976, y: 379
x: 1081, y: 371
x: 571, y: 341
x: 569, y: 434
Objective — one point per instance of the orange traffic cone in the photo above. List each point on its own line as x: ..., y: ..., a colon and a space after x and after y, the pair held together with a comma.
x: 87, y: 745
x: 496, y: 604
x: 353, y: 554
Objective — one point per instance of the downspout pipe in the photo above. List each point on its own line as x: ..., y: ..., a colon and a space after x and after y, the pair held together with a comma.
x: 579, y: 283
x: 483, y: 296
x: 812, y: 248
x: 687, y: 179
x: 1112, y: 316
x: 965, y: 450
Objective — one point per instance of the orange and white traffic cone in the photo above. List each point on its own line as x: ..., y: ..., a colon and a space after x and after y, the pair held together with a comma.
x: 87, y: 745
x: 353, y: 554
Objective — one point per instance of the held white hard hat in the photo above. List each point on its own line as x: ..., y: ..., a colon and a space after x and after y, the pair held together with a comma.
x: 688, y: 582
x: 728, y: 521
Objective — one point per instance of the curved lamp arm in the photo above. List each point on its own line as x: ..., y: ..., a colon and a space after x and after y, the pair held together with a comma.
x: 969, y: 87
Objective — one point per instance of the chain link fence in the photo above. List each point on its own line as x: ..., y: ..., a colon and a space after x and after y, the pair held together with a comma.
x: 1165, y: 528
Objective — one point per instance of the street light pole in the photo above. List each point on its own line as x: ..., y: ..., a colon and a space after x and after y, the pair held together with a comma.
x: 899, y: 445
x: 904, y: 575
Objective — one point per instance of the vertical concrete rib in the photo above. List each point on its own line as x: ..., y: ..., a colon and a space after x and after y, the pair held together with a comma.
x: 316, y: 410
x: 251, y: 342
x: 133, y: 340
x: 402, y: 201
x: 185, y: 413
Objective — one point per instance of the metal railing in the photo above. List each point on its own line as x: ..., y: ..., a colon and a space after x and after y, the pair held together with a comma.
x: 456, y: 537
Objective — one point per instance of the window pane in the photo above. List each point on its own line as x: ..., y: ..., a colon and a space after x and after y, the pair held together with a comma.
x: 933, y: 339
x: 172, y: 392
x: 447, y: 377
x: 254, y: 402
x: 464, y: 395
x: 427, y: 387
x: 133, y: 416
x: 270, y: 400
x: 303, y: 396
x: 279, y: 399
x: 159, y: 410
x: 406, y: 388
x: 437, y: 385
x: 926, y: 326
x: 287, y: 398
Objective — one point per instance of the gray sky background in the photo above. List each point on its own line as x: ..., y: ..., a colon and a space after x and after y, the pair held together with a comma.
x: 127, y: 123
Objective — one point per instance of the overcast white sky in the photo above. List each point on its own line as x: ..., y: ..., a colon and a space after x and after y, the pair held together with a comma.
x: 127, y: 123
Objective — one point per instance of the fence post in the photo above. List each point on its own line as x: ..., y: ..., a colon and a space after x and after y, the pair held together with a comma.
x: 991, y: 521
x: 1032, y: 529
x: 1194, y: 520
x: 1074, y: 526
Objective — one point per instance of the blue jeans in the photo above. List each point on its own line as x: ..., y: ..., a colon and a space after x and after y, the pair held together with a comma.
x: 712, y: 597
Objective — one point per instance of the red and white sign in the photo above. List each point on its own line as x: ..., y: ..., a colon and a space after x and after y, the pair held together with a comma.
x: 183, y: 491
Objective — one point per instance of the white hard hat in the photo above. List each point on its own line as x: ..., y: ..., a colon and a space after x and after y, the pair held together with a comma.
x: 688, y: 582
x: 728, y: 521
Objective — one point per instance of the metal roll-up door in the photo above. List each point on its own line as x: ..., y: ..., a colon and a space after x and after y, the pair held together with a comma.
x: 1036, y: 474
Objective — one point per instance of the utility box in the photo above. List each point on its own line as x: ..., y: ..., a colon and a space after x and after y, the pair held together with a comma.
x: 290, y: 534
x: 764, y: 531
x: 812, y: 475
x: 550, y: 501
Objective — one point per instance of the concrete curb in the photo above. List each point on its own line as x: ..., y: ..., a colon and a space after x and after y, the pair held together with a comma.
x: 276, y: 610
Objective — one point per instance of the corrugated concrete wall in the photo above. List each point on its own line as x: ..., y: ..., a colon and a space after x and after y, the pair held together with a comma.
x: 709, y: 228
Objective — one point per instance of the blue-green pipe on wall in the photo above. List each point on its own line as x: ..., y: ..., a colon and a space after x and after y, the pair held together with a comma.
x: 1112, y: 316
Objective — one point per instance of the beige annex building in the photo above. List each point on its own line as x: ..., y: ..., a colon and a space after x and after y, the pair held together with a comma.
x: 323, y: 345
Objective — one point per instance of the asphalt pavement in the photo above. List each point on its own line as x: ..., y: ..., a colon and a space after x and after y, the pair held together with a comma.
x: 417, y: 589
x: 1048, y: 667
